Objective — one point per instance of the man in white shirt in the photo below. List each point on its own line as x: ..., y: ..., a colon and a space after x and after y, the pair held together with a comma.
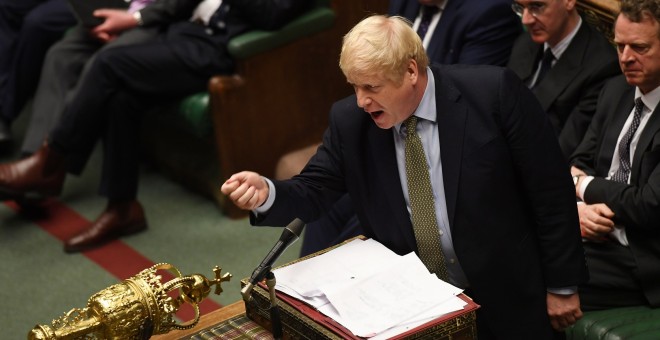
x: 616, y: 171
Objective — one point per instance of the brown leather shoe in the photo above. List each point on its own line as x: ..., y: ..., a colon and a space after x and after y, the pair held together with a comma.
x: 118, y: 219
x: 35, y: 177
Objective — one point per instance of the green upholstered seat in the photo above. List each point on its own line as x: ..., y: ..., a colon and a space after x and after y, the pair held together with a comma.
x: 195, y: 113
x: 617, y: 324
x: 256, y: 41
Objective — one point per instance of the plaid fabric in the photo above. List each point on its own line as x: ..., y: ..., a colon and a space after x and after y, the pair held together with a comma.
x: 238, y: 327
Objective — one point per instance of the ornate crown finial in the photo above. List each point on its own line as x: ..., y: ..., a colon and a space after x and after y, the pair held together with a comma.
x: 136, y: 308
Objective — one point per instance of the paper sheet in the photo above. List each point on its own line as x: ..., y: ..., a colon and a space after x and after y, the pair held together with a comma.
x: 369, y: 289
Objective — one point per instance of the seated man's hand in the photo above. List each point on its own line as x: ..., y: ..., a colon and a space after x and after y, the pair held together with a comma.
x: 248, y: 190
x: 595, y: 221
x: 115, y: 22
x: 563, y: 310
x: 575, y: 171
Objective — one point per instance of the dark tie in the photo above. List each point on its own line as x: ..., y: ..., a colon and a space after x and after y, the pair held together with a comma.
x: 622, y: 174
x: 546, y: 65
x: 217, y: 22
x: 425, y: 224
x: 427, y: 14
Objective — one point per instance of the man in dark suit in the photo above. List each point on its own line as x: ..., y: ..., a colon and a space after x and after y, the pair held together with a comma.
x: 616, y: 169
x: 582, y: 60
x: 27, y: 29
x: 472, y: 32
x: 120, y: 84
x: 503, y: 213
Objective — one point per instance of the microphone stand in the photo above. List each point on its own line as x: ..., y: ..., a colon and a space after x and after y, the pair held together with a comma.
x: 289, y: 235
x: 274, y: 308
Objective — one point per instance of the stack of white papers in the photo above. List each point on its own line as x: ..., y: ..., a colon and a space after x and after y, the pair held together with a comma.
x: 369, y: 289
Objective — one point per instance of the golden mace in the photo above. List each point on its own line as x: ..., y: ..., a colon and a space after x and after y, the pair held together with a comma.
x: 136, y: 308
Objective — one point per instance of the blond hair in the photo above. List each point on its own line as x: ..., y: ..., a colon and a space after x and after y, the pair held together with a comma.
x: 381, y: 45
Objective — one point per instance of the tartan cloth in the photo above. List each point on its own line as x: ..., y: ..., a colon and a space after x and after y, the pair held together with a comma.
x: 239, y: 327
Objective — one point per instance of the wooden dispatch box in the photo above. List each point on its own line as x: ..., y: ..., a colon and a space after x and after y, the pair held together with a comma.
x: 301, y: 321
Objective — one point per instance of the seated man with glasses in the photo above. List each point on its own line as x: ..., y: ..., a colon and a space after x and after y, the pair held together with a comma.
x: 565, y: 62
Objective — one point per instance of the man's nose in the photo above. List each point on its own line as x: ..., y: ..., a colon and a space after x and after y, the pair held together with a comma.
x: 363, y: 99
x: 626, y: 55
x: 527, y: 17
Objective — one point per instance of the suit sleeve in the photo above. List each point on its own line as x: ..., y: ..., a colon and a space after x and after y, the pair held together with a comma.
x: 313, y: 192
x: 545, y: 182
x: 635, y: 206
x: 165, y: 12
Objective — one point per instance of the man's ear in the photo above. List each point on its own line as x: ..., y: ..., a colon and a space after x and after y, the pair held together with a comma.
x: 412, y: 72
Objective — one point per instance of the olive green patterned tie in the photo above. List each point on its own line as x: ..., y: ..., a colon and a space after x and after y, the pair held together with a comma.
x: 422, y: 204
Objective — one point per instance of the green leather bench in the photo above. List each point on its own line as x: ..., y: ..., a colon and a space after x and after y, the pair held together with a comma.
x: 616, y: 324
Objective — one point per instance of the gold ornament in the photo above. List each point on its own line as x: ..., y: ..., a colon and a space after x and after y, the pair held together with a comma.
x: 136, y: 308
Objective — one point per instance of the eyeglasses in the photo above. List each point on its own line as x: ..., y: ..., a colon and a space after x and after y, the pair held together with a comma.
x: 534, y: 8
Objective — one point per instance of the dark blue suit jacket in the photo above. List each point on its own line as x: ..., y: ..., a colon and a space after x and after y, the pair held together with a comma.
x: 469, y: 31
x: 510, y: 198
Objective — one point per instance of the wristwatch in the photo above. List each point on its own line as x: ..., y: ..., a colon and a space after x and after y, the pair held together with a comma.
x: 138, y: 18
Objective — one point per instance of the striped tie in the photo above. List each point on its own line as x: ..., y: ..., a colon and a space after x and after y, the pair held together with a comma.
x: 621, y: 175
x: 422, y: 205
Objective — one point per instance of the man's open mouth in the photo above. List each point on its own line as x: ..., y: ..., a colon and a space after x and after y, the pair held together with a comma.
x: 375, y: 114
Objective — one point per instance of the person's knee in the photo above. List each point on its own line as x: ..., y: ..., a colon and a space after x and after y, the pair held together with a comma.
x: 107, y: 59
x: 58, y: 54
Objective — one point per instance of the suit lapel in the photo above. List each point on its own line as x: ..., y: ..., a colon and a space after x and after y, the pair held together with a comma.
x: 452, y: 115
x: 564, y: 70
x: 383, y: 160
x: 650, y: 130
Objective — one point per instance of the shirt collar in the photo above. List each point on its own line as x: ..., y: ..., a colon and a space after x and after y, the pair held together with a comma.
x: 426, y: 109
x: 561, y: 47
x: 650, y: 99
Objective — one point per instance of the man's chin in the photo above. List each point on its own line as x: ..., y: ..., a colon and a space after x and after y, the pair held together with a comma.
x: 632, y: 78
x: 383, y: 125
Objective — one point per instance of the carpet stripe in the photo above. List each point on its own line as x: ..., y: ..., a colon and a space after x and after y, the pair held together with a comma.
x: 116, y: 257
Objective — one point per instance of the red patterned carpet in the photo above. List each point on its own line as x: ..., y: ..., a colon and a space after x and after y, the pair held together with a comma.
x: 118, y: 258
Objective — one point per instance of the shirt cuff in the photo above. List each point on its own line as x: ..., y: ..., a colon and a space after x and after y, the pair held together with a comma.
x: 583, y: 185
x: 563, y: 290
x: 262, y: 209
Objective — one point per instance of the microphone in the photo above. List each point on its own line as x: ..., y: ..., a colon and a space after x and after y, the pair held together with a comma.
x: 289, y: 235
